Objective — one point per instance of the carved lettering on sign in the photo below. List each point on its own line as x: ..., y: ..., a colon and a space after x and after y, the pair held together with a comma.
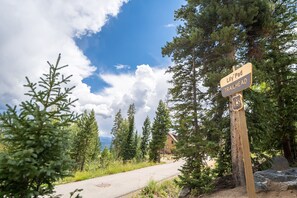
x: 237, y: 81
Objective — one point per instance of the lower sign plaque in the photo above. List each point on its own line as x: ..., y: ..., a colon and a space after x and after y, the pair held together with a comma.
x: 237, y: 102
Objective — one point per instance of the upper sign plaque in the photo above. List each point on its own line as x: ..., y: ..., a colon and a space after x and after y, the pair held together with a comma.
x: 237, y: 81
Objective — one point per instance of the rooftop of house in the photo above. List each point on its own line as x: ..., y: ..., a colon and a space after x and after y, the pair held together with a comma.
x: 173, y: 136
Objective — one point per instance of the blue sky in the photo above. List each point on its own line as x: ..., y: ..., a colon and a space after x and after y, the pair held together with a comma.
x: 132, y: 38
x: 112, y: 47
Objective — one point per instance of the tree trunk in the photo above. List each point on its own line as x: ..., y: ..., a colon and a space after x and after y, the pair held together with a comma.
x: 293, y: 146
x: 82, y: 164
x: 195, y: 96
x: 287, y: 148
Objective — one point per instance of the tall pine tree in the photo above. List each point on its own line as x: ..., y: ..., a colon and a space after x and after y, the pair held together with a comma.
x: 129, y: 151
x: 118, y: 133
x: 276, y: 83
x: 161, y: 127
x: 146, y: 132
x: 86, y: 145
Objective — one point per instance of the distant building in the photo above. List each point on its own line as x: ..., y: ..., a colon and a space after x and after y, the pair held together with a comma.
x: 170, y: 143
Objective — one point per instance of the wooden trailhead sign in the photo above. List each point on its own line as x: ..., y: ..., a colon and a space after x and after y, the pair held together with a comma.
x: 237, y: 81
x: 232, y: 86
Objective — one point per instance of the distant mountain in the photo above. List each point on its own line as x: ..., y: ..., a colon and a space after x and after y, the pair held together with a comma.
x: 105, y: 142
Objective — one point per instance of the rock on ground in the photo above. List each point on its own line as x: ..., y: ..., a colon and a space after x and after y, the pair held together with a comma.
x: 276, y: 180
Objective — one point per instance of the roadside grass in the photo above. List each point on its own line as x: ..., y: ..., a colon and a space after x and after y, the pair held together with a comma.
x: 93, y: 170
x: 165, y: 189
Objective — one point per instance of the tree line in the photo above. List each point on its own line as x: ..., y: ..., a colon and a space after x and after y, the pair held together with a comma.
x: 213, y: 37
x: 126, y: 143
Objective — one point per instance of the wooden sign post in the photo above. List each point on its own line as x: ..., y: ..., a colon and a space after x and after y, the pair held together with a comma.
x: 232, y: 85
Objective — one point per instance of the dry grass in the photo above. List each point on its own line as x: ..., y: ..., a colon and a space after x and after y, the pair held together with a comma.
x: 112, y: 168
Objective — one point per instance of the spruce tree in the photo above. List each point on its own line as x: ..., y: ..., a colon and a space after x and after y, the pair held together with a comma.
x: 129, y: 149
x: 105, y: 158
x: 282, y: 55
x: 118, y: 135
x: 36, y: 138
x: 160, y: 129
x: 146, y: 132
x: 274, y: 120
x: 186, y: 97
x: 86, y: 145
x: 136, y: 147
x: 95, y: 141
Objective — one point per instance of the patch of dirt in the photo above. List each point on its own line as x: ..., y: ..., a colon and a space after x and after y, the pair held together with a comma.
x: 167, y: 158
x: 225, y: 188
x: 240, y: 192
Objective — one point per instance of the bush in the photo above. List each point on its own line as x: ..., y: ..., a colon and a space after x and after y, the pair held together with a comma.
x: 165, y: 189
x: 201, y: 181
x: 105, y: 158
x: 151, y: 189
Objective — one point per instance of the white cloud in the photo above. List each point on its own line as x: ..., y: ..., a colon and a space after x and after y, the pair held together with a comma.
x: 121, y: 66
x: 33, y: 32
x: 170, y: 25
x: 144, y: 88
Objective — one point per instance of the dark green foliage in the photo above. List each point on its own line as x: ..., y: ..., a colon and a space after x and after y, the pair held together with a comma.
x: 272, y: 103
x: 118, y: 133
x: 161, y: 127
x: 164, y: 189
x: 125, y: 141
x: 129, y: 151
x: 199, y: 180
x: 281, y: 76
x: 36, y: 138
x: 95, y: 142
x: 72, y: 194
x: 146, y: 132
x: 86, y: 144
x: 214, y: 36
x: 137, y: 147
x: 105, y: 158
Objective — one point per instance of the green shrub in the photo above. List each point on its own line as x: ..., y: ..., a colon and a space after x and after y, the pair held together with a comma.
x: 105, y: 158
x: 166, y: 189
x: 200, y: 182
x: 151, y: 189
x: 35, y: 137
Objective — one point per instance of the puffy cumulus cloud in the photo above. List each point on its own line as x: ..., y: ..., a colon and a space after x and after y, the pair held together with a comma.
x: 33, y: 32
x: 81, y: 17
x: 144, y: 88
